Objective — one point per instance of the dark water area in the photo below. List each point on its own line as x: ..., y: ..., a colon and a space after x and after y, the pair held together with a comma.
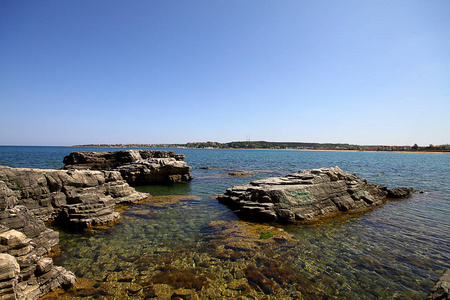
x: 396, y: 251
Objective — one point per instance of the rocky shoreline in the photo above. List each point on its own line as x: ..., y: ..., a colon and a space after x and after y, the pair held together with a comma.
x: 82, y: 195
x: 28, y: 197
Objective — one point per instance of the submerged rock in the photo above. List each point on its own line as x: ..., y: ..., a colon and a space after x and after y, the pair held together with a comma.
x: 137, y: 167
x: 400, y: 192
x: 241, y: 173
x: 305, y: 195
x: 441, y: 289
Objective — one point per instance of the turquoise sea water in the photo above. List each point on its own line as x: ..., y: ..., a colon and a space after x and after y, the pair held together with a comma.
x: 396, y: 251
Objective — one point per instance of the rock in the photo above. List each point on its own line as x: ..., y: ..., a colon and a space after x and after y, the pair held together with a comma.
x: 9, y: 272
x: 242, y: 173
x: 441, y: 289
x: 44, y: 265
x: 182, y: 294
x: 30, y: 196
x: 241, y: 240
x: 14, y: 239
x: 304, y: 195
x: 24, y: 273
x: 401, y: 192
x: 67, y: 279
x: 83, y: 198
x: 137, y: 167
x: 9, y: 268
x: 27, y: 227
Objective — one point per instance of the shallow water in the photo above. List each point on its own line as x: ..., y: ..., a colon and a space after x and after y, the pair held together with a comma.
x: 393, y: 252
x: 389, y: 252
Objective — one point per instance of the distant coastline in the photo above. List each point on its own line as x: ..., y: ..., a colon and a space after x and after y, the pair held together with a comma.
x: 263, y: 145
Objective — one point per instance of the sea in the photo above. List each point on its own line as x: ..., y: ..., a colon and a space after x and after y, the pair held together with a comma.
x: 396, y: 251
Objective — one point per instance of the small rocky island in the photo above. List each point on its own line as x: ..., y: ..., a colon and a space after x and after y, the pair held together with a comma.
x: 306, y: 195
x: 137, y: 167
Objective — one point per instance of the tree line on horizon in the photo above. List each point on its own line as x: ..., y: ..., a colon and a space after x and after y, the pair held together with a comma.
x: 266, y: 145
x: 278, y: 145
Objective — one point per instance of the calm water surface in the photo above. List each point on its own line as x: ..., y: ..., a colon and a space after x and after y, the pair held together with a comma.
x: 396, y: 251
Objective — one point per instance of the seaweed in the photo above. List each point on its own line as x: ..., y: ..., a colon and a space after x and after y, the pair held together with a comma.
x: 184, y: 278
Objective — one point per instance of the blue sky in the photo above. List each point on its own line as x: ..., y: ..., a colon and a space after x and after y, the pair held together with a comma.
x: 359, y: 72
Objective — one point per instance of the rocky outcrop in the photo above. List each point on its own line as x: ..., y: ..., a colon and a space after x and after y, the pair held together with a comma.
x: 137, y: 167
x: 304, y: 195
x: 21, y: 219
x: 24, y: 273
x: 441, y: 289
x: 28, y: 197
x: 80, y: 197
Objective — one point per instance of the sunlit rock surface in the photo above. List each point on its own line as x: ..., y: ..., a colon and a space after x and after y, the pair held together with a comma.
x: 24, y: 273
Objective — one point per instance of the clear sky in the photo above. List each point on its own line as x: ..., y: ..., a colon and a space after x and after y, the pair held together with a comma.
x: 359, y: 72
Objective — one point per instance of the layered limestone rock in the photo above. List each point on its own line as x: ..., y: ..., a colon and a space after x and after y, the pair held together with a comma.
x: 28, y: 197
x: 80, y: 197
x: 137, y: 167
x: 23, y: 220
x: 24, y: 273
x: 305, y: 195
x: 9, y: 272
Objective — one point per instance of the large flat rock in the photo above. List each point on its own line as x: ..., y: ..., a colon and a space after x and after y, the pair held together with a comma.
x: 304, y: 195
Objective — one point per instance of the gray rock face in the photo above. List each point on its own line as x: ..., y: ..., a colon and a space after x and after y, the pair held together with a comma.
x: 304, y: 195
x: 441, y: 289
x: 28, y: 197
x: 23, y: 220
x: 137, y: 167
x: 81, y: 197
